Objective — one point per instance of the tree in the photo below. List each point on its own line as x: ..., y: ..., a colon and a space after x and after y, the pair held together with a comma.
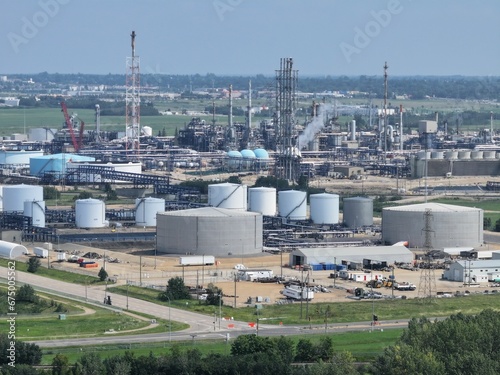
x: 214, y: 295
x: 91, y: 364
x: 103, y: 275
x: 486, y: 223
x: 176, y: 289
x: 60, y: 365
x: 50, y: 192
x: 250, y: 344
x: 497, y: 226
x: 26, y: 293
x: 33, y: 264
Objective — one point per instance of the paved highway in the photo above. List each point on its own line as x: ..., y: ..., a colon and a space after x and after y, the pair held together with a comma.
x: 201, y: 326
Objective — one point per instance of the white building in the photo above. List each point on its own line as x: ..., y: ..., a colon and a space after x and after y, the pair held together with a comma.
x: 473, y: 271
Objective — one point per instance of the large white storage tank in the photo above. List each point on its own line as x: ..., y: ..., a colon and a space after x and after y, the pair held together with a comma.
x: 452, y: 226
x: 35, y: 210
x: 292, y: 204
x: 263, y: 200
x: 89, y: 213
x: 227, y: 195
x: 14, y: 196
x: 358, y: 212
x: 146, y: 210
x: 324, y: 208
x: 209, y: 231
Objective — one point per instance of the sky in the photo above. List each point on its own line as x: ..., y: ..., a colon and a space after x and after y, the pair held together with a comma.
x: 248, y: 37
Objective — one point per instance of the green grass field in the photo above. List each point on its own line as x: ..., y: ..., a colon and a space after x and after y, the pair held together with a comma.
x: 364, y: 346
x: 340, y: 312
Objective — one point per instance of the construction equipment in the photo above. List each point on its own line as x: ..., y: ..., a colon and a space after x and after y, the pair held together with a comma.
x: 69, y: 124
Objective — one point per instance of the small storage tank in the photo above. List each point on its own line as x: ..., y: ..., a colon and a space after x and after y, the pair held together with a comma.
x: 358, y: 212
x: 234, y: 159
x: 260, y: 153
x: 146, y: 210
x: 476, y: 155
x: 489, y: 155
x: 35, y: 210
x: 451, y: 155
x: 324, y: 208
x: 437, y: 154
x: 14, y: 196
x: 424, y: 154
x: 464, y: 155
x: 263, y: 200
x: 89, y: 213
x: 292, y: 204
x: 147, y: 131
x: 227, y: 195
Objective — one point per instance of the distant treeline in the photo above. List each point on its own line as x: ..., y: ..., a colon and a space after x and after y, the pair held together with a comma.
x: 418, y: 87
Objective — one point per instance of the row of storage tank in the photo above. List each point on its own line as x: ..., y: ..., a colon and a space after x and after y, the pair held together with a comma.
x: 89, y: 213
x: 458, y: 155
x: 292, y: 204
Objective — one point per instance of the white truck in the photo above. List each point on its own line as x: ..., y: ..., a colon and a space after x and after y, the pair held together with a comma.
x: 41, y: 252
x: 298, y: 293
x: 197, y: 260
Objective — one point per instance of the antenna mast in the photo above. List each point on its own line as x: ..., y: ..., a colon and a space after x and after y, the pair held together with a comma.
x: 132, y: 99
x: 427, y: 277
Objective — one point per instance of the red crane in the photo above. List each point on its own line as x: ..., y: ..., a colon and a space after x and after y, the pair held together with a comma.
x: 69, y: 125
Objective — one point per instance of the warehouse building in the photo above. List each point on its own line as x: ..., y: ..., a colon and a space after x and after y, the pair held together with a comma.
x: 474, y: 271
x: 345, y: 255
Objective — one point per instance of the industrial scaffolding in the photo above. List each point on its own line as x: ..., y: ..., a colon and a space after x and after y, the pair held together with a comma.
x: 132, y: 100
x: 288, y: 154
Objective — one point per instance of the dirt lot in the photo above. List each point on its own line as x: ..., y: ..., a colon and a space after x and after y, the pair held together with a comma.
x: 150, y: 270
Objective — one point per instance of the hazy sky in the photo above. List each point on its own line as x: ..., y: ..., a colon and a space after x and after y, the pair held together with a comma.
x: 247, y: 37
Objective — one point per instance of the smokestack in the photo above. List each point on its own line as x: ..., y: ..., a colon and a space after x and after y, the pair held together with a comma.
x: 230, y: 119
x: 97, y: 119
x: 437, y: 117
x: 353, y: 130
x: 133, y: 43
x: 250, y: 104
x: 491, y: 127
x: 401, y: 127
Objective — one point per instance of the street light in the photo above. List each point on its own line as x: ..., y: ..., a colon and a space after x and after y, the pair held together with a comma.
x: 169, y: 320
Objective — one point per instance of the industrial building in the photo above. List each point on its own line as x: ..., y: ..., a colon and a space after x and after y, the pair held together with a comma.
x: 448, y: 225
x: 474, y: 271
x: 209, y: 231
x: 11, y: 250
x: 346, y: 255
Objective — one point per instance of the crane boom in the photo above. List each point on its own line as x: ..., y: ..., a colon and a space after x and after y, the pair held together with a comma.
x: 70, y: 126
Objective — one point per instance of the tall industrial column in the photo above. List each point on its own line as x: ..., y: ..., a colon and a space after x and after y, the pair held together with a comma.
x: 288, y: 159
x: 132, y: 100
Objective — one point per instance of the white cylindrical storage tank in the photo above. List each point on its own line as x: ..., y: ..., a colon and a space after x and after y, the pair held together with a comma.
x: 89, y: 213
x: 476, y: 155
x: 489, y: 155
x: 35, y: 210
x: 451, y: 226
x: 147, y: 131
x: 263, y: 200
x: 210, y: 231
x: 292, y: 204
x: 451, y: 155
x: 358, y: 212
x: 437, y: 154
x: 227, y: 195
x: 146, y: 210
x: 464, y: 155
x: 14, y: 196
x: 424, y: 154
x: 324, y: 208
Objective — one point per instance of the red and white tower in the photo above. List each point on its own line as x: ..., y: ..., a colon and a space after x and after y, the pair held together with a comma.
x: 132, y: 100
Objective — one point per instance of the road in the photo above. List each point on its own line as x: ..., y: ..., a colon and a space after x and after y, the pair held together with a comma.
x: 200, y: 326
